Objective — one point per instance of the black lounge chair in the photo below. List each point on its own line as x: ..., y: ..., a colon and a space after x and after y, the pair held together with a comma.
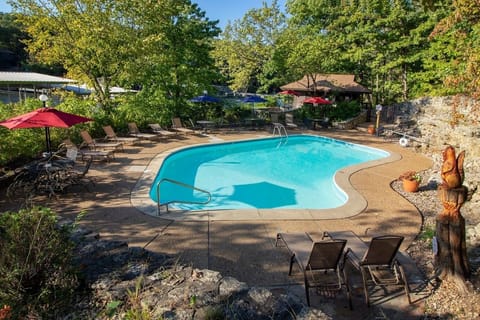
x: 320, y: 261
x: 377, y: 262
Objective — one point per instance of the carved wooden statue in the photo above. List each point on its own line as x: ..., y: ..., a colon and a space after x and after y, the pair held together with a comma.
x: 451, y: 259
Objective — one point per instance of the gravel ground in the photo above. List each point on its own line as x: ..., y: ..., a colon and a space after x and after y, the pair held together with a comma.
x: 445, y: 300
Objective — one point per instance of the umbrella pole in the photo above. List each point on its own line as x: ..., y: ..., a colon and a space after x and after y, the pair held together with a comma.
x: 47, y: 138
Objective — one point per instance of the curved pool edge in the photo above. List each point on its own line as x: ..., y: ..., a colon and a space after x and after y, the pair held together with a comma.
x: 356, y: 203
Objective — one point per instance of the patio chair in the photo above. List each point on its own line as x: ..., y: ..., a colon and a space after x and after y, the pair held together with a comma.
x: 321, y: 262
x: 89, y: 142
x: 73, y: 152
x: 161, y: 131
x: 135, y: 132
x: 178, y: 126
x: 289, y: 121
x: 377, y: 262
x: 112, y: 136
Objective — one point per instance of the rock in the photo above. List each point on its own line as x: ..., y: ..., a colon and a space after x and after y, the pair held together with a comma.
x: 136, y: 279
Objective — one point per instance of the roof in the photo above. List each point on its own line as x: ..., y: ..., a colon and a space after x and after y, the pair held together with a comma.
x: 30, y: 78
x: 327, y: 82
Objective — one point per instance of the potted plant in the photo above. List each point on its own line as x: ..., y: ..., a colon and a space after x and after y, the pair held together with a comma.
x: 411, y: 180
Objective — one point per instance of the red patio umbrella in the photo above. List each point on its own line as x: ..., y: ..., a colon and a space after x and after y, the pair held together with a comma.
x: 317, y: 100
x: 44, y: 117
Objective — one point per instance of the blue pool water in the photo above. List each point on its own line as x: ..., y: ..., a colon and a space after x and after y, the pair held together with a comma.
x: 264, y: 174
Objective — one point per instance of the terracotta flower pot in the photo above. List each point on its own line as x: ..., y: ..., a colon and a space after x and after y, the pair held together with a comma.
x: 410, y: 185
x: 371, y: 129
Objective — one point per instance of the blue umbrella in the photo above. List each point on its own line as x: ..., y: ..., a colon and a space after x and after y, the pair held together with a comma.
x: 205, y: 98
x: 253, y: 99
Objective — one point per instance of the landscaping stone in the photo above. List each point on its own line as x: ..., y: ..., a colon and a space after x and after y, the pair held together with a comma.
x: 138, y: 279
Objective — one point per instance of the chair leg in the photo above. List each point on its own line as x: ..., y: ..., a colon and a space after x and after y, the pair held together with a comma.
x: 307, y: 289
x: 292, y: 260
x: 365, y: 287
x: 405, y: 283
x: 347, y: 287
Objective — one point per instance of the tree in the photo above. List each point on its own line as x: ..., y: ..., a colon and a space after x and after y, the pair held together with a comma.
x: 462, y: 26
x: 382, y: 42
x: 10, y: 36
x: 174, y: 59
x: 128, y: 42
x: 91, y: 39
x: 246, y: 49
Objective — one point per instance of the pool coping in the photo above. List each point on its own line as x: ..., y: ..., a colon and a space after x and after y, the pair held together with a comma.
x: 355, y: 204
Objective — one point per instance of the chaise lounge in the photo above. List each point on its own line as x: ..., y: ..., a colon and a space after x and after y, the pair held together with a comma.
x: 322, y: 262
x: 91, y: 143
x: 377, y: 261
x: 112, y: 136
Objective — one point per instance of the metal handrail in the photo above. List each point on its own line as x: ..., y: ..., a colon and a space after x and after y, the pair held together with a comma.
x: 280, y: 128
x: 179, y: 201
x: 282, y: 132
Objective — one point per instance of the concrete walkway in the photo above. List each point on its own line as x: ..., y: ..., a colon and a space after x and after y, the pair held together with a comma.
x: 245, y: 249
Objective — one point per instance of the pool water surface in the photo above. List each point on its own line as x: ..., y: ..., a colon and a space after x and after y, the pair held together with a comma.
x: 290, y: 173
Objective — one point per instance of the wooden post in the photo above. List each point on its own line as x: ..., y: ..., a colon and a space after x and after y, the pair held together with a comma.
x: 451, y: 260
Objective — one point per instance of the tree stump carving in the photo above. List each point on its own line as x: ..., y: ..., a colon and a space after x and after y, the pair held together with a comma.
x: 451, y: 259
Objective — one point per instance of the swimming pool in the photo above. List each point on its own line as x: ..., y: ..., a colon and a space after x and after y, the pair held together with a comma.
x: 269, y: 173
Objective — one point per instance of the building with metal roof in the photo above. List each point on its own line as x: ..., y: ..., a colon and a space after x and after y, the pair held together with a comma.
x: 30, y: 78
x: 16, y: 86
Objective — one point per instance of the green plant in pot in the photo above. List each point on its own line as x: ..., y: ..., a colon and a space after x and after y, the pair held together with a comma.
x: 411, y: 181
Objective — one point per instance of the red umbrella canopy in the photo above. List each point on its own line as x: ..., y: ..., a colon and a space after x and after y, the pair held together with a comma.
x: 290, y: 92
x: 317, y: 100
x: 44, y: 117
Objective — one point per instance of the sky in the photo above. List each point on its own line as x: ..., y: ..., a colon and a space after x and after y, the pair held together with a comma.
x: 4, y: 7
x: 223, y: 10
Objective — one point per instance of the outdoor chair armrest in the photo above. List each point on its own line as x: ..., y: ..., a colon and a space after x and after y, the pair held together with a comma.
x: 353, y: 258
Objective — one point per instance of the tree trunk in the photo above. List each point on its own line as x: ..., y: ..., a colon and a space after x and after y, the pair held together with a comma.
x: 451, y: 259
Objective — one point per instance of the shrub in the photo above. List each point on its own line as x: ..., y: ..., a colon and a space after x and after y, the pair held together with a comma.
x: 35, y: 263
x: 344, y: 110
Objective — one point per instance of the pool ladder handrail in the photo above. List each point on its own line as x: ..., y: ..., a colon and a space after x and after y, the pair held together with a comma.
x: 179, y: 201
x: 280, y: 129
x: 282, y: 132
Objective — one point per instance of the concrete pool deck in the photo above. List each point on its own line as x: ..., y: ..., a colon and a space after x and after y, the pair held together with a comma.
x: 245, y: 249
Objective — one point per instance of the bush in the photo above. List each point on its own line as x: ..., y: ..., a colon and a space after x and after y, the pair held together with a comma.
x: 37, y: 276
x: 345, y: 110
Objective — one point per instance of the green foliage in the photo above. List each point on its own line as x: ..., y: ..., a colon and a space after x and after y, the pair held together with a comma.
x: 135, y: 309
x: 28, y: 143
x: 383, y: 42
x: 462, y: 28
x: 35, y: 263
x: 112, y: 308
x: 428, y: 233
x: 344, y: 110
x: 245, y: 54
x: 162, y: 45
x: 174, y: 62
x: 20, y: 143
x: 338, y: 112
x: 11, y: 35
